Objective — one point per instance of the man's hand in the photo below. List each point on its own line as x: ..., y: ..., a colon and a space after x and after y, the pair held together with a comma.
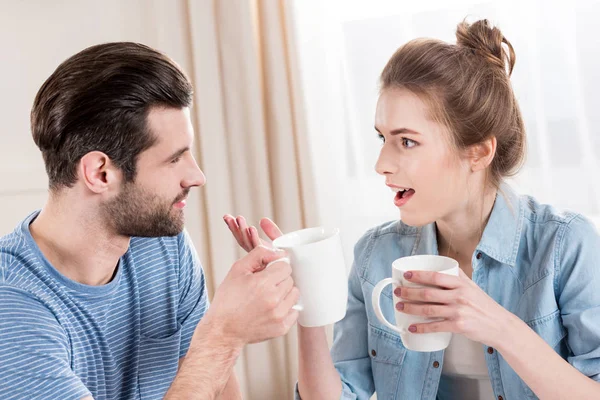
x: 254, y: 303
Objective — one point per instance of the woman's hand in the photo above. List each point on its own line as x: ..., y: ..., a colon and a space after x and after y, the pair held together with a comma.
x: 463, y: 306
x: 247, y: 236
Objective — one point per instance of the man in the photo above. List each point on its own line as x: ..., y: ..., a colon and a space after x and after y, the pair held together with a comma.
x: 101, y: 292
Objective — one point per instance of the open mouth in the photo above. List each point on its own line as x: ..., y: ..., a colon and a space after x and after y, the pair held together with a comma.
x: 402, y: 195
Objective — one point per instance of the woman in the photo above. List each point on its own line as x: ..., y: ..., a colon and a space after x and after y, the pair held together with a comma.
x: 525, y: 310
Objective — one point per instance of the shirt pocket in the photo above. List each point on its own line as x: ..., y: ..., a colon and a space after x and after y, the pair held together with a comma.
x: 549, y: 328
x: 387, y: 355
x: 159, y: 361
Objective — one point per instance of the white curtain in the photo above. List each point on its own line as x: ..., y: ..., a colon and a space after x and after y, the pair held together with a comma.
x: 253, y: 149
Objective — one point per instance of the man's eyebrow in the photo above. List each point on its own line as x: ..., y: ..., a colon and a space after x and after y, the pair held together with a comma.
x: 178, y: 153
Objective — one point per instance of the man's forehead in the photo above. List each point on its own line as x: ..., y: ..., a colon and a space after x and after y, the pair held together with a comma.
x: 170, y: 126
x: 172, y: 130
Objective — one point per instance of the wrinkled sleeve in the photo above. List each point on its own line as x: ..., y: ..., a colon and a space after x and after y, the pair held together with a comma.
x: 577, y: 284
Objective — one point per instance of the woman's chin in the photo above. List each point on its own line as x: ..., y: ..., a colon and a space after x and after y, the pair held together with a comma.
x: 414, y: 220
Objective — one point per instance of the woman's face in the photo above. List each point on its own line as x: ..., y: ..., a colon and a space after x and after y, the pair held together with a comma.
x: 429, y: 177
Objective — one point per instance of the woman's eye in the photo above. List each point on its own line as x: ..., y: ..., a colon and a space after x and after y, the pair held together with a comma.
x: 408, y: 143
x: 175, y: 160
x: 381, y: 137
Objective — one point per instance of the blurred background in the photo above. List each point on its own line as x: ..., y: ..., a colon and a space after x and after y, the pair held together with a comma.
x: 284, y: 105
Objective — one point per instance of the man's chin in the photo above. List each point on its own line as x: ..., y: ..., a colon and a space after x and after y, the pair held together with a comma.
x: 154, y: 230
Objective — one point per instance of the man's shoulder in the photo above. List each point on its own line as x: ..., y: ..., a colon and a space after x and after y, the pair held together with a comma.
x: 15, y: 253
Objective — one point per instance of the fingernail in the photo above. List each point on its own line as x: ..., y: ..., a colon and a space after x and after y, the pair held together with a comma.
x: 408, y: 275
x: 399, y: 306
x: 397, y: 292
x: 412, y: 328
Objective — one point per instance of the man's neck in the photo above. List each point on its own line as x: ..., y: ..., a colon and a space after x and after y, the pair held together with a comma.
x: 77, y: 241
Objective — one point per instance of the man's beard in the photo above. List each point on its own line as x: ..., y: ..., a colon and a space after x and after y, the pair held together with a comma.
x: 135, y: 212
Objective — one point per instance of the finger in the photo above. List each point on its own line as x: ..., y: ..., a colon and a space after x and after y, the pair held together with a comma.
x: 426, y: 310
x: 433, y: 279
x: 284, y: 287
x: 270, y: 229
x: 277, y: 272
x: 243, y: 229
x: 259, y: 257
x: 234, y: 228
x: 254, y: 238
x: 291, y: 318
x: 291, y: 299
x: 425, y: 294
x: 431, y: 327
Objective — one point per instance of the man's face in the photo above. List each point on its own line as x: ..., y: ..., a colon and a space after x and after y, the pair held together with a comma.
x: 153, y: 204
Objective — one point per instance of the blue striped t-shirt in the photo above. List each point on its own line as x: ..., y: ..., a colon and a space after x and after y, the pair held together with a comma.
x: 60, y: 339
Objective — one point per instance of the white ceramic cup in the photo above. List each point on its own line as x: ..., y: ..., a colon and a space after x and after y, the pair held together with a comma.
x: 423, y: 341
x: 319, y: 272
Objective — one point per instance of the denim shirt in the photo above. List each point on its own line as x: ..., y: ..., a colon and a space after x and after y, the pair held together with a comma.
x: 539, y: 264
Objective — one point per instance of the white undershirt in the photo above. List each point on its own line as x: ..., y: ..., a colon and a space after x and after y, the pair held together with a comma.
x: 464, y: 372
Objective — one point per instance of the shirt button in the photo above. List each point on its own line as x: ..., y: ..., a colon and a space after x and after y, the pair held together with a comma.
x: 490, y: 350
x: 436, y: 364
x: 479, y: 256
x: 373, y: 353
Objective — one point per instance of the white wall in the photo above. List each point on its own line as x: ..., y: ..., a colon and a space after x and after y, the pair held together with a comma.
x: 36, y: 36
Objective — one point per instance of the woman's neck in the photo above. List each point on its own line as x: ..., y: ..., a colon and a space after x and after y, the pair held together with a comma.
x: 459, y: 234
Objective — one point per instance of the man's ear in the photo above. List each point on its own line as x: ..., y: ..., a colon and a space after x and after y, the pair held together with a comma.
x: 98, y: 173
x: 482, y: 154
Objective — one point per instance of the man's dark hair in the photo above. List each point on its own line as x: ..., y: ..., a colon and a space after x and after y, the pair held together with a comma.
x: 98, y: 100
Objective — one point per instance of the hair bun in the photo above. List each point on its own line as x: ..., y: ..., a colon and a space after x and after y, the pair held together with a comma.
x: 486, y: 40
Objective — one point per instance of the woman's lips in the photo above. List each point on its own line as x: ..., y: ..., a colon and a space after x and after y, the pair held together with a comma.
x: 403, y: 196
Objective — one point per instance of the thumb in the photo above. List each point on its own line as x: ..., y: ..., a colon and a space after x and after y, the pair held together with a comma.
x: 259, y: 257
x: 270, y: 228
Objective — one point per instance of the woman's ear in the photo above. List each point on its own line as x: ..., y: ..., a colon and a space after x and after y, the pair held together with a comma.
x: 482, y: 154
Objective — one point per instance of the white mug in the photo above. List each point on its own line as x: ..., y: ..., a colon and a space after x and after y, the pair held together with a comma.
x: 319, y: 272
x: 423, y: 341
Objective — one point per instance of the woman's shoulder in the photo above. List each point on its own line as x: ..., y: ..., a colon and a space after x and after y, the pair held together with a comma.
x: 540, y: 213
x: 549, y: 220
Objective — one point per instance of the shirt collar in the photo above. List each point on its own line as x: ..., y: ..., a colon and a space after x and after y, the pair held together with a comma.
x: 501, y: 236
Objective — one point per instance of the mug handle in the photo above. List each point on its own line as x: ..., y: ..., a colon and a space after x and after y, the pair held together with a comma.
x: 298, y: 306
x: 377, y: 307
